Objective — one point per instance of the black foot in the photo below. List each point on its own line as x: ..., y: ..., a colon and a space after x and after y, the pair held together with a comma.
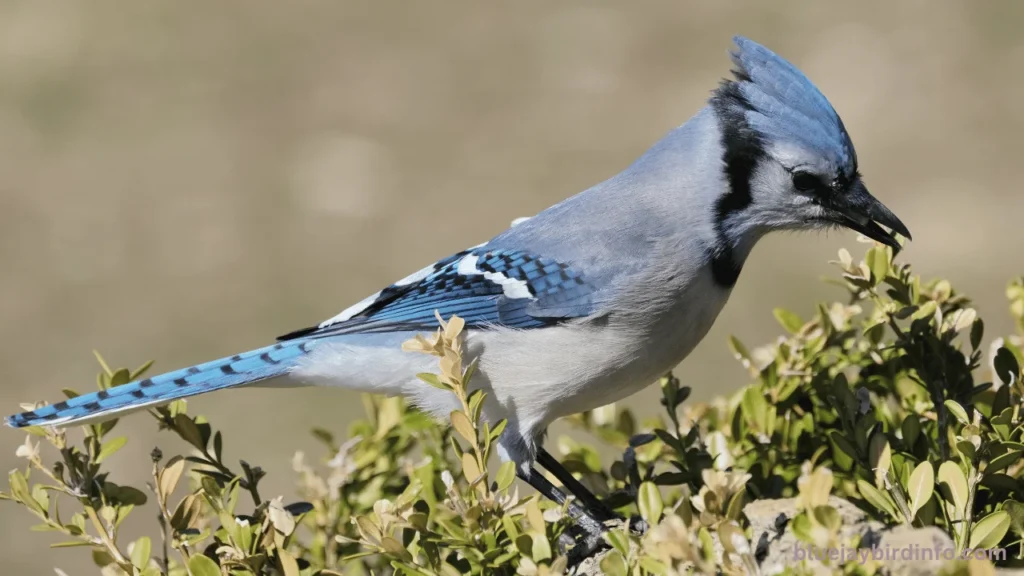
x: 589, y: 514
x: 593, y: 505
x: 580, y: 515
x: 587, y: 545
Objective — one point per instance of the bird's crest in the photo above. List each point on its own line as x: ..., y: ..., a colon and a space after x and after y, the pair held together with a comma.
x: 781, y: 104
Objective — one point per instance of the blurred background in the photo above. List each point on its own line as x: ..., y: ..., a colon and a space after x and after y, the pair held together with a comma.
x: 186, y: 180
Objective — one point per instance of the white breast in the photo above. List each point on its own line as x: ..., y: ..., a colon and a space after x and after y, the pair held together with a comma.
x: 540, y: 375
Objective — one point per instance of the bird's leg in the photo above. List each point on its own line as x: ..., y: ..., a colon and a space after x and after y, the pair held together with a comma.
x: 594, y: 506
x: 592, y: 528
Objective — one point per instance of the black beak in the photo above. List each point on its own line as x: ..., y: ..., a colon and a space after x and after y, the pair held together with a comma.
x: 860, y: 211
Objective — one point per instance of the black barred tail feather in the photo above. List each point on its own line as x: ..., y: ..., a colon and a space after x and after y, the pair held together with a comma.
x: 237, y: 370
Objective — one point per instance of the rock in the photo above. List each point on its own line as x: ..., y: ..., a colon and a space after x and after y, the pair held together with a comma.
x: 908, y: 551
x: 896, y: 550
x: 775, y: 545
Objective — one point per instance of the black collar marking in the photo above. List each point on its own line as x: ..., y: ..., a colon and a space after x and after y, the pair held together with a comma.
x: 743, y: 149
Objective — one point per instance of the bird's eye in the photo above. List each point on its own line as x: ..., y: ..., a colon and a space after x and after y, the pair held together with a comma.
x: 806, y: 182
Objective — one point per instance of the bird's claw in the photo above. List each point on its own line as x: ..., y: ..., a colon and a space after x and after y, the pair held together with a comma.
x: 586, y: 545
x: 638, y: 526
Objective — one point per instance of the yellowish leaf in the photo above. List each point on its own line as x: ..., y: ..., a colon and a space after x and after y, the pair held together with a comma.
x: 534, y: 515
x: 920, y: 487
x: 649, y: 502
x: 955, y: 483
x: 170, y: 476
x: 469, y: 467
x: 463, y: 426
x: 289, y: 565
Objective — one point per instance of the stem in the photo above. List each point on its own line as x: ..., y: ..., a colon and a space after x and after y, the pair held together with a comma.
x: 107, y: 541
x: 972, y: 487
x: 254, y: 492
x: 460, y: 392
x: 901, y: 502
x: 164, y: 561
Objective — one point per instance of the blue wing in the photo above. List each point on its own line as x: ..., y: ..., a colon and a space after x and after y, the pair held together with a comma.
x: 487, y: 287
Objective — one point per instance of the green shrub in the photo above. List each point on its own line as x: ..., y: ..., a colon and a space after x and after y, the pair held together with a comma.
x: 874, y: 400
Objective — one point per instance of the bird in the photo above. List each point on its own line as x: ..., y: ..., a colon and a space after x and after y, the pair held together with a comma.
x: 590, y: 300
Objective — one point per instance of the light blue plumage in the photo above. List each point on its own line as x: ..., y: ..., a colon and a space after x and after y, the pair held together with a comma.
x: 592, y: 299
x: 243, y: 368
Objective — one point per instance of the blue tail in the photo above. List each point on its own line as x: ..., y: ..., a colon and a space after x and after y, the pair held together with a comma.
x: 237, y: 370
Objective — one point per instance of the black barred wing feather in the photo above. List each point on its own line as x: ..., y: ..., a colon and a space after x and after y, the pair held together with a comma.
x: 485, y: 287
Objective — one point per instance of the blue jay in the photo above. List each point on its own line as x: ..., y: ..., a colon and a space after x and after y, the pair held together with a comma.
x: 590, y: 300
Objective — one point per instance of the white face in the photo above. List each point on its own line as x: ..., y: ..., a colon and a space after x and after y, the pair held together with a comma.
x: 792, y: 190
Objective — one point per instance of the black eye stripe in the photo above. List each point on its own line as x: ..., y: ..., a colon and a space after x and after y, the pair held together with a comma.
x: 807, y: 182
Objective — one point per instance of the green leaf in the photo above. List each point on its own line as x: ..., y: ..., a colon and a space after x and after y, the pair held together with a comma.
x: 103, y: 363
x: 506, y: 475
x: 967, y: 450
x: 926, y: 311
x: 911, y: 428
x: 199, y: 565
x: 1016, y: 511
x: 541, y: 549
x: 618, y: 539
x: 433, y: 380
x: 498, y: 428
x: 141, y: 370
x: 789, y: 320
x: 957, y: 411
x: 218, y: 446
x: 988, y: 532
x: 649, y: 502
x: 952, y: 479
x: 1006, y: 366
x: 655, y: 567
x: 920, y: 487
x: 110, y: 447
x: 1003, y: 461
x: 880, y: 500
x: 880, y: 455
x: 877, y: 259
x: 19, y: 489
x: 755, y: 409
x: 140, y: 552
x: 188, y: 431
x: 121, y: 376
x: 802, y: 528
x: 842, y: 445
x: 735, y: 507
x: 977, y: 332
x: 524, y: 543
x: 299, y: 508
x: 739, y: 351
x: 476, y: 402
x: 126, y: 494
x: 828, y: 517
x: 614, y: 564
x: 70, y: 544
x: 389, y: 415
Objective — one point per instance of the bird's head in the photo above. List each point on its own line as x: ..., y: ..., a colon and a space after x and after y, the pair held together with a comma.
x: 789, y: 161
